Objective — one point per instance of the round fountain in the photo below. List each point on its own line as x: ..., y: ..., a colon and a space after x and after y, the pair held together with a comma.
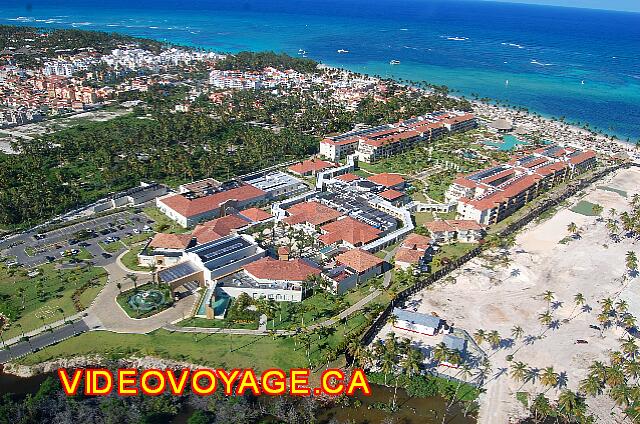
x: 147, y: 300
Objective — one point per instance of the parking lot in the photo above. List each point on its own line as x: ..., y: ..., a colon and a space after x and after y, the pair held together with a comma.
x: 33, y: 249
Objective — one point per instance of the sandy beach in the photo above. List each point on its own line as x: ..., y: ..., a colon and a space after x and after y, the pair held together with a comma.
x: 503, y: 289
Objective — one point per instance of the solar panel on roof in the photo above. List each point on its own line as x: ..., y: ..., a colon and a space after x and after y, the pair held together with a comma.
x: 178, y: 271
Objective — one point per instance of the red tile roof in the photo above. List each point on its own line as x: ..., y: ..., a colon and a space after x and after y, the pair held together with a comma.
x: 465, y: 224
x: 359, y: 260
x: 410, y: 256
x: 391, y: 194
x: 386, y: 179
x: 347, y: 177
x: 200, y: 205
x: 171, y: 241
x: 350, y: 230
x: 313, y: 213
x: 416, y: 242
x: 438, y: 226
x: 218, y: 228
x: 255, y: 214
x: 310, y: 166
x: 582, y: 157
x: 273, y: 269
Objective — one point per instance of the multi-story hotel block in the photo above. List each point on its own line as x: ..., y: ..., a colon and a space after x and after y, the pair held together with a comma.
x: 490, y: 195
x: 372, y: 144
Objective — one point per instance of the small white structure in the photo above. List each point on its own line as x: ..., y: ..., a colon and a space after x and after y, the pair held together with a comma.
x: 416, y: 322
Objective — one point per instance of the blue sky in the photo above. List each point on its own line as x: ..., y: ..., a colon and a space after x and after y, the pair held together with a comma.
x: 625, y: 5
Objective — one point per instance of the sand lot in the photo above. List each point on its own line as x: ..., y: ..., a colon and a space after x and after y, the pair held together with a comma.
x: 496, y: 295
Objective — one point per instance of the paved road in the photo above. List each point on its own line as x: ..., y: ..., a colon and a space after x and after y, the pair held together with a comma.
x: 43, y: 340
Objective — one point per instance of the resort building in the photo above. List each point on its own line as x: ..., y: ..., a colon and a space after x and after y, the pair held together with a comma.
x: 277, y: 184
x: 490, y: 195
x: 361, y: 263
x: 272, y: 279
x: 312, y: 214
x: 348, y: 232
x: 416, y: 250
x: 447, y: 231
x: 372, y: 144
x: 389, y: 181
x: 255, y: 215
x: 165, y: 249
x: 190, y: 207
x: 218, y: 228
x: 416, y: 322
x: 310, y: 167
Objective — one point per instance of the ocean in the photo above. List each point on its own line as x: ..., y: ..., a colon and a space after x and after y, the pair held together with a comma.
x: 580, y: 64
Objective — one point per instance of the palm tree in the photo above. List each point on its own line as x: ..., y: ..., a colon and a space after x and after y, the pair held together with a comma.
x: 119, y: 286
x: 620, y: 395
x: 440, y: 352
x: 548, y: 296
x: 545, y: 318
x: 548, y: 377
x: 591, y: 385
x: 568, y: 403
x: 517, y: 332
x: 578, y: 300
x: 479, y: 336
x: 410, y: 364
x: 518, y: 371
x: 607, y: 305
x: 572, y: 228
x: 494, y: 339
x: 597, y: 209
x: 631, y: 261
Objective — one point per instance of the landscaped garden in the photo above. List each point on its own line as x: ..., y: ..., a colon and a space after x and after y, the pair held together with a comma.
x: 146, y: 300
x: 31, y: 302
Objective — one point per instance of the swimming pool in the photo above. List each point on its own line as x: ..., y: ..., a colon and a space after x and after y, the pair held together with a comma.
x: 509, y: 143
x: 219, y: 306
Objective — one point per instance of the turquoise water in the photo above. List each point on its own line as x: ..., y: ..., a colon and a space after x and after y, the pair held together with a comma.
x: 509, y: 143
x: 205, y: 299
x: 574, y: 63
x: 219, y: 306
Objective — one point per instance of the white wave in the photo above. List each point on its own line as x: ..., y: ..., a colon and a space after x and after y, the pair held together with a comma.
x: 412, y: 48
x: 22, y: 19
x: 77, y: 24
x: 404, y: 29
x: 153, y: 27
x: 535, y: 62
x: 113, y: 25
x: 513, y: 45
x: 455, y: 38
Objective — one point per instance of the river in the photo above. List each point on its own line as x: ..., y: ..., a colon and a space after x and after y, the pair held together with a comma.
x: 411, y: 411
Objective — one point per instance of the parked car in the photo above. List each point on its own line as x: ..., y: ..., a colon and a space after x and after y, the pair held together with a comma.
x: 581, y: 341
x: 595, y: 327
x: 39, y: 236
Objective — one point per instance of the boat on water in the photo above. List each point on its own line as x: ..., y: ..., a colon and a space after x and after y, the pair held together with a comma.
x: 343, y: 51
x: 302, y: 52
x: 394, y: 62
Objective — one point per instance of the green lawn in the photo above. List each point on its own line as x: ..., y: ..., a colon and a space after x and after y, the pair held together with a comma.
x: 614, y: 190
x: 217, y: 323
x: 44, y: 294
x: 163, y: 223
x: 213, y: 350
x: 584, y: 208
x: 136, y: 238
x: 130, y: 259
x: 111, y: 247
x: 452, y: 251
x: 422, y: 218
